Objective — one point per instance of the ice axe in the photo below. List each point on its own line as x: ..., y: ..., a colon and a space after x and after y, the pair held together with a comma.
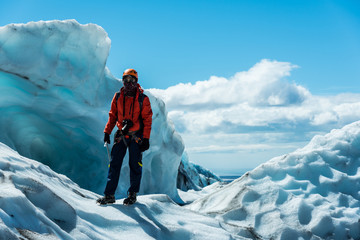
x: 108, y: 152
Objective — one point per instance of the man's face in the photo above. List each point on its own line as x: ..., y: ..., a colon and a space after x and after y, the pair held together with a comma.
x: 129, y: 83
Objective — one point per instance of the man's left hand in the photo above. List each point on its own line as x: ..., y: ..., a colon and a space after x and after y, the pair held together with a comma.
x: 144, y: 145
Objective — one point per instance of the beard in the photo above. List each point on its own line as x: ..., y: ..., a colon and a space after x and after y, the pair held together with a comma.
x: 130, y: 89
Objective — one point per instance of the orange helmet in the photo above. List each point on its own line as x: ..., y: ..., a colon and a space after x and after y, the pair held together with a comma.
x: 131, y: 72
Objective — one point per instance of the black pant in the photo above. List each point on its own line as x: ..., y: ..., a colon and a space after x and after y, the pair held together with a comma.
x: 117, y: 155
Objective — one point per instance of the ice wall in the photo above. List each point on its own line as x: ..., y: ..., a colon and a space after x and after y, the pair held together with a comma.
x: 64, y: 54
x: 54, y: 103
x: 312, y: 193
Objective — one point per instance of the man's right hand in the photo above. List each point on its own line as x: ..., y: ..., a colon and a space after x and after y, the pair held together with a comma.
x: 107, y: 138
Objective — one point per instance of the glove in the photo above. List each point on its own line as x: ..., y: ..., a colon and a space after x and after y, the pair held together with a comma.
x: 107, y: 138
x: 144, y: 145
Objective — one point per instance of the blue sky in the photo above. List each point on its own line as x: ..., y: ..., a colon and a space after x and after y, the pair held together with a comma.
x: 187, y: 41
x: 263, y: 77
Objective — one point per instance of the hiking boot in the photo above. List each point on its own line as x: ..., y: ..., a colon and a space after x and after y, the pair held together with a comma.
x: 131, y: 199
x: 107, y: 199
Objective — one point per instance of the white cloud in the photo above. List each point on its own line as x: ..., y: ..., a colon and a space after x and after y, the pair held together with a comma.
x: 324, y: 118
x: 261, y: 96
x: 232, y: 148
x: 262, y: 85
x: 261, y: 100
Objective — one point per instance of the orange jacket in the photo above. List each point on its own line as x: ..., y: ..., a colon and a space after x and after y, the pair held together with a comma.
x: 130, y: 109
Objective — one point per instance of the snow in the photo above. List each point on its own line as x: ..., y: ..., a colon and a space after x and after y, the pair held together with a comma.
x: 55, y: 97
x: 37, y: 203
x: 312, y: 193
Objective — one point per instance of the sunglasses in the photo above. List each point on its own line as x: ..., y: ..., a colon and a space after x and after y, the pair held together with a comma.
x: 128, y: 79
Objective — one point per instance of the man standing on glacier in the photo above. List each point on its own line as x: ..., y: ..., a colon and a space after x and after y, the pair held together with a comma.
x: 131, y: 112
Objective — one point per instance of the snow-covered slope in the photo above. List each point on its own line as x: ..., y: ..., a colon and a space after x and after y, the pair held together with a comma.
x: 37, y: 203
x: 312, y: 193
x: 55, y: 94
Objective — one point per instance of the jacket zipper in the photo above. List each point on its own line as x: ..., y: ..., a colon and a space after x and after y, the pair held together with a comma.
x: 130, y: 109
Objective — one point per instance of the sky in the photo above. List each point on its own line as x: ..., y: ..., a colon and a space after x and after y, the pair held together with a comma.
x: 188, y: 41
x: 243, y: 81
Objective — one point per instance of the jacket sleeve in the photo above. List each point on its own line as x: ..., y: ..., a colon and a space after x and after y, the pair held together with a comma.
x: 112, y: 117
x: 146, y: 115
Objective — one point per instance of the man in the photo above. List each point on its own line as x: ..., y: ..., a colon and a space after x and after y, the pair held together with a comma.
x: 131, y: 112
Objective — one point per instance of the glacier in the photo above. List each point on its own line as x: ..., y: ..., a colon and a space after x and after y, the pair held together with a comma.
x: 312, y: 193
x: 194, y: 177
x: 38, y: 203
x: 55, y: 96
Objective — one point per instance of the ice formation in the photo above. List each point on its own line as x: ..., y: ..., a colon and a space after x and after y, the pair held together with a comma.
x: 312, y: 193
x: 57, y: 54
x: 193, y: 176
x: 37, y: 203
x: 55, y: 97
